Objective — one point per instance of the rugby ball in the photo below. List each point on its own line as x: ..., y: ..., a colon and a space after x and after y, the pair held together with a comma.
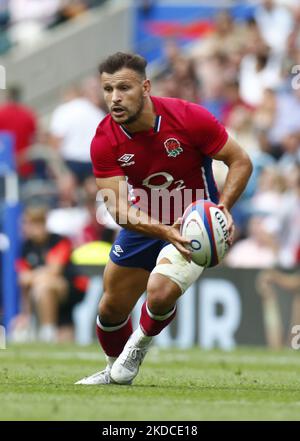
x: 205, y: 225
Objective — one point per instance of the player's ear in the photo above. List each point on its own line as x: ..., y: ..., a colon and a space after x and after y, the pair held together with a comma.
x: 146, y: 87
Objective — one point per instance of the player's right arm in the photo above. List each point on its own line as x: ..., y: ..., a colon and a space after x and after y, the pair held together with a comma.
x: 112, y: 183
x: 114, y: 191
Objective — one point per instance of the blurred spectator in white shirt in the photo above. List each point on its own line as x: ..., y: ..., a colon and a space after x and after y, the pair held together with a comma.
x: 258, y: 71
x: 275, y: 23
x: 73, y: 126
x: 258, y: 250
x: 30, y: 17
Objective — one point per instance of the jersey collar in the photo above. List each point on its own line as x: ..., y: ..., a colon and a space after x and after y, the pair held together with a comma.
x: 156, y: 127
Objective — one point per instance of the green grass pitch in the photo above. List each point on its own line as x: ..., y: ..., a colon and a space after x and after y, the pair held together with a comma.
x: 173, y: 385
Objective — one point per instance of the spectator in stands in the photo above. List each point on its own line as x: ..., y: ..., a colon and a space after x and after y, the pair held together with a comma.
x: 212, y: 83
x: 291, y: 151
x: 69, y: 216
x: 72, y: 127
x: 270, y: 284
x: 165, y: 85
x: 282, y: 127
x: 258, y: 250
x: 226, y: 36
x: 46, y: 279
x: 21, y: 122
x: 289, y: 234
x: 238, y: 117
x: 259, y: 70
x: 269, y: 193
x: 77, y: 214
x: 275, y: 23
x: 261, y: 160
x: 30, y: 17
x: 99, y: 226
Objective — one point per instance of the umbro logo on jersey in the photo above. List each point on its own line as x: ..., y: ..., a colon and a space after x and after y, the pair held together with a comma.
x: 125, y: 159
x: 117, y: 250
x: 173, y: 147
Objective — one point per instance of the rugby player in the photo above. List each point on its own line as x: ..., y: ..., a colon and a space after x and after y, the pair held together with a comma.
x: 154, y: 146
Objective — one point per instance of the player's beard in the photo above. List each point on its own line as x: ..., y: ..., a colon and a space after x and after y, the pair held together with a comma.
x: 134, y: 117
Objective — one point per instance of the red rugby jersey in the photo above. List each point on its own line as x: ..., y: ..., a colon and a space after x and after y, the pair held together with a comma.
x: 164, y: 164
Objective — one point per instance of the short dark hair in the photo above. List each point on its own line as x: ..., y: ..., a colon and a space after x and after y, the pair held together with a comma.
x: 121, y: 60
x: 36, y: 214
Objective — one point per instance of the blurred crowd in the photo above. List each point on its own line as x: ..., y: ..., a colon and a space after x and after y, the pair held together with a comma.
x: 246, y: 73
x: 24, y: 21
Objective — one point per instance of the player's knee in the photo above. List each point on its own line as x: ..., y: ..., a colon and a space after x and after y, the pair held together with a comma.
x: 110, y: 312
x: 42, y: 292
x: 42, y: 279
x: 162, y: 293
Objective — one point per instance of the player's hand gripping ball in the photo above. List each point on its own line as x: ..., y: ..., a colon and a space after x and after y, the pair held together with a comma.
x: 205, y: 225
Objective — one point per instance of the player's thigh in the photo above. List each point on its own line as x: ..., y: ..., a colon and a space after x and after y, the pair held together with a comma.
x: 123, y: 285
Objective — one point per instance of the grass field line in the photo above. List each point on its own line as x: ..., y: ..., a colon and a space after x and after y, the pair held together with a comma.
x: 252, y: 359
x: 157, y: 355
x: 91, y: 356
x: 242, y: 402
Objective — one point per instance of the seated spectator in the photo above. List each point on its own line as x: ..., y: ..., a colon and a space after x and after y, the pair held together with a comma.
x: 94, y: 230
x: 77, y: 215
x: 46, y: 278
x: 258, y: 250
x: 68, y: 217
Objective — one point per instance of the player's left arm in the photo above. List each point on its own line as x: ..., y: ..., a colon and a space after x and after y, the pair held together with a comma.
x: 239, y: 171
